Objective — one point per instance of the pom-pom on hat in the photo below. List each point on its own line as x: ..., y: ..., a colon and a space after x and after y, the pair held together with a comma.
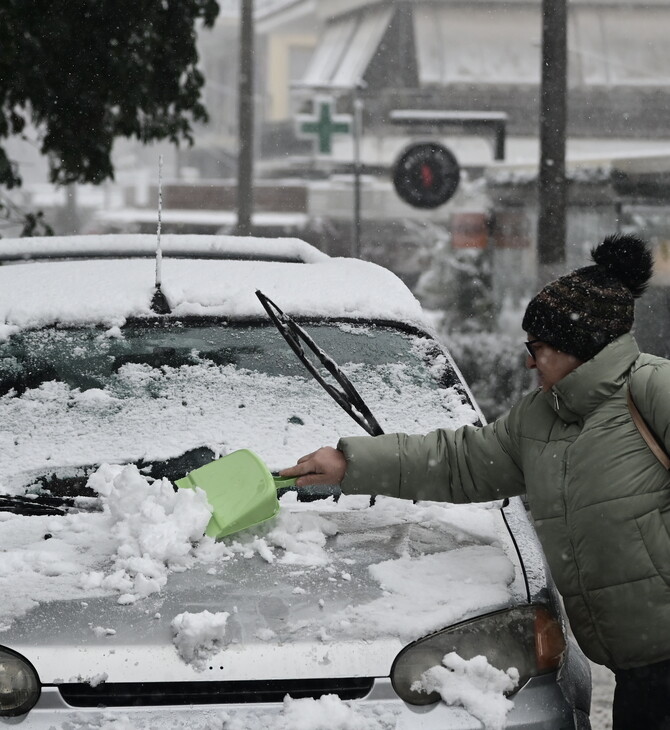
x: 584, y: 311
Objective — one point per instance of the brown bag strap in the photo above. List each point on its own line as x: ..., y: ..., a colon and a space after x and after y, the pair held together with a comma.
x: 647, y: 434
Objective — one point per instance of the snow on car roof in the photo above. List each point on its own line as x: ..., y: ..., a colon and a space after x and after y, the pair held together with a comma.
x: 135, y: 244
x: 107, y: 292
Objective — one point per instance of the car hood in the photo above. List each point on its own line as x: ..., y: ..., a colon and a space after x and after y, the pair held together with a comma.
x: 326, y: 589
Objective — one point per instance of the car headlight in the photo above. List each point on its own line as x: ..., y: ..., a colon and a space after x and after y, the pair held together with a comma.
x: 529, y: 638
x: 19, y: 684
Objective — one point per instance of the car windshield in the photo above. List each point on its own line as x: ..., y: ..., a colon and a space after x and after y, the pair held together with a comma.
x: 172, y: 395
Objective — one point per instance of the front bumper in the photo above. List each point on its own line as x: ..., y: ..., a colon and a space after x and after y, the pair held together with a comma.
x: 540, y: 704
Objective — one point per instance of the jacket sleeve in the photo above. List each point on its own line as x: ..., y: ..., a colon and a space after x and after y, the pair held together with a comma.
x: 470, y: 464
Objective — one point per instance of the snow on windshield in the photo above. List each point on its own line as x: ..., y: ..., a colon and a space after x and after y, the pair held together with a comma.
x: 149, y: 413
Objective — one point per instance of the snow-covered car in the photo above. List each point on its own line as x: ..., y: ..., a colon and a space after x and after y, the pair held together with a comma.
x: 340, y: 612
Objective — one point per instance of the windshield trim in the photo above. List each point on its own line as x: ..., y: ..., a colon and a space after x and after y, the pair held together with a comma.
x: 252, y: 319
x: 262, y: 320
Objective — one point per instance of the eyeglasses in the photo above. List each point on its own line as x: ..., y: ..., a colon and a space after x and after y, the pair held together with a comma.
x: 529, y: 346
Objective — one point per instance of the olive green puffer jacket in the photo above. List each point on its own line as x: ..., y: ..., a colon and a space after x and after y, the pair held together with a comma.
x: 599, y: 498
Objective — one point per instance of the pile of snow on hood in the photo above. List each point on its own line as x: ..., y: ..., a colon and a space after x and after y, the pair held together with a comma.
x: 154, y: 527
x: 146, y: 530
x: 198, y: 636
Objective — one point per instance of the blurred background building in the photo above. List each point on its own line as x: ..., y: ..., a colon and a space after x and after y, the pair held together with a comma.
x: 419, y: 70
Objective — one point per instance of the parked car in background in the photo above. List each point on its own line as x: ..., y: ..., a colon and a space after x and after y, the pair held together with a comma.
x: 143, y: 220
x: 335, y: 613
x: 144, y: 245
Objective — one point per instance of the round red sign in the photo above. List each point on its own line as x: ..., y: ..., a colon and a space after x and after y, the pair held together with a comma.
x: 426, y: 175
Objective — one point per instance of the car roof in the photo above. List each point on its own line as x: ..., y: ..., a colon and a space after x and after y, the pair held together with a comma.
x: 138, y: 245
x: 109, y: 291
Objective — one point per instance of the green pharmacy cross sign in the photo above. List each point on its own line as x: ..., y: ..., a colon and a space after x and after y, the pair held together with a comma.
x: 323, y: 125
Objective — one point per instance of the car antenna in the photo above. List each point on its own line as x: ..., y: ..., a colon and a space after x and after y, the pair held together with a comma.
x: 159, y: 303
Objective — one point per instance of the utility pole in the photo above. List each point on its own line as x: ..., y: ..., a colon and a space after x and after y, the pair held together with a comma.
x: 357, y: 133
x: 552, y: 184
x: 245, y: 121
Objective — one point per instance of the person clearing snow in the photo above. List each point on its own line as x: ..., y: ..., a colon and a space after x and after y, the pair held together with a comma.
x: 599, y: 496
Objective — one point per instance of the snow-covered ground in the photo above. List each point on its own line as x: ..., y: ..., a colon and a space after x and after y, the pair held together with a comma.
x: 601, y: 700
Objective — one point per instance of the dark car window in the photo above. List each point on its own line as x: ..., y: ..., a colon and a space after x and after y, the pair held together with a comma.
x: 88, y: 358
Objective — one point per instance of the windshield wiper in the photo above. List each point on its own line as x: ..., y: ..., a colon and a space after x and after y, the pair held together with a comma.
x: 40, y: 504
x: 346, y: 396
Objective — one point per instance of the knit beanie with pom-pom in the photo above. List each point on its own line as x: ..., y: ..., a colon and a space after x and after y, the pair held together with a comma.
x: 584, y: 311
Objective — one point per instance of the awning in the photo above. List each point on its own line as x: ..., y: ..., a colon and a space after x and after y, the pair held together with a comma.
x: 501, y: 44
x: 346, y: 48
x: 486, y: 45
x: 601, y: 51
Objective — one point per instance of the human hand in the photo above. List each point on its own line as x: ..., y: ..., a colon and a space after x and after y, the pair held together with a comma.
x: 323, y: 466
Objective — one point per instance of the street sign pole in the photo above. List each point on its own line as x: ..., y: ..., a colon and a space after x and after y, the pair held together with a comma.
x: 320, y: 127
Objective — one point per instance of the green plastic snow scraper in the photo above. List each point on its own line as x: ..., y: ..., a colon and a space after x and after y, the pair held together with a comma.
x: 240, y: 489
